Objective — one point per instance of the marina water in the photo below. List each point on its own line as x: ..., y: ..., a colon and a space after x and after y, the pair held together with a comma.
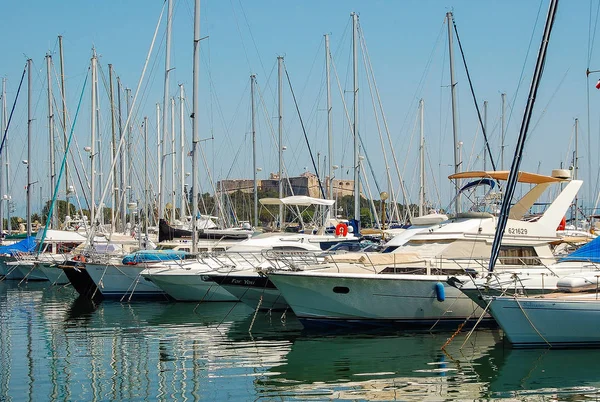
x: 55, y: 346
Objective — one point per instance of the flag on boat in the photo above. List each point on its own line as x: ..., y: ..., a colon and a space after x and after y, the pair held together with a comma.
x: 598, y: 85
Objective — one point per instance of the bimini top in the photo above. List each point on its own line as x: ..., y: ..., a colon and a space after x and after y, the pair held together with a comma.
x: 524, y: 177
x: 296, y: 200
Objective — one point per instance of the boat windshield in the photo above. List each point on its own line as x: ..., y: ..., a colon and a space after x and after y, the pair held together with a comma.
x: 482, y: 195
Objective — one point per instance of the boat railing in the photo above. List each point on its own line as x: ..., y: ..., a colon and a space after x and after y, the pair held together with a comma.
x: 293, y: 260
x: 479, y: 266
x: 24, y: 256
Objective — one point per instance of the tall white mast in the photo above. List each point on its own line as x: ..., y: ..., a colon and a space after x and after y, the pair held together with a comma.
x: 127, y: 164
x: 93, y: 143
x: 161, y: 193
x: 3, y: 128
x: 195, y: 123
x: 158, y: 160
x: 6, y: 158
x: 122, y: 200
x: 172, y: 216
x: 254, y: 167
x: 182, y: 208
x: 280, y: 131
x: 113, y: 155
x: 50, y: 138
x: 485, y: 128
x: 576, y: 168
x: 29, y: 133
x: 355, y: 122
x: 457, y: 166
x: 146, y: 214
x: 422, y: 159
x: 503, y: 133
x: 329, y: 119
x: 64, y: 115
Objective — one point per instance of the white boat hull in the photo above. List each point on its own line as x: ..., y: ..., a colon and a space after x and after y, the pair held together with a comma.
x: 548, y: 322
x: 403, y: 300
x: 189, y: 287
x: 116, y: 281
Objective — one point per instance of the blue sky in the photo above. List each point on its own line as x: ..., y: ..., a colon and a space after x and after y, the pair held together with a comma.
x: 407, y: 45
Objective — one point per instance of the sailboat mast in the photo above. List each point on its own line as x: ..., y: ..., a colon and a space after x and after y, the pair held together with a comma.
x: 127, y: 167
x: 93, y: 142
x: 329, y: 119
x: 158, y: 160
x: 252, y: 88
x: 64, y: 114
x: 161, y: 194
x: 121, y: 200
x: 457, y: 166
x: 2, y: 127
x: 29, y: 120
x: 519, y: 146
x: 280, y: 131
x: 172, y: 215
x: 146, y: 212
x: 422, y: 159
x: 355, y: 122
x: 182, y: 208
x: 195, y: 123
x: 503, y: 129
x: 6, y: 158
x: 50, y: 137
x: 113, y: 154
x: 485, y: 128
x: 575, y: 168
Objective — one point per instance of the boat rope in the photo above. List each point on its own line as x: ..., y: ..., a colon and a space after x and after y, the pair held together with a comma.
x: 531, y: 323
x: 446, y: 311
x: 255, y: 313
x: 12, y: 110
x: 483, y: 313
x: 485, y: 138
x: 460, y: 327
x: 27, y: 275
x: 283, y: 318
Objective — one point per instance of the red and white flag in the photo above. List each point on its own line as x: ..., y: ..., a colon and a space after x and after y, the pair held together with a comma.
x: 598, y: 85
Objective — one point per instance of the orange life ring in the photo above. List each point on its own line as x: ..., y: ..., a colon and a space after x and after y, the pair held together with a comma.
x: 341, y: 229
x: 79, y: 257
x: 563, y: 224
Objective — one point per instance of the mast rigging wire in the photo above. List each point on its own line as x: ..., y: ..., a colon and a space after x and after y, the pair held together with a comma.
x: 485, y: 138
x: 12, y: 110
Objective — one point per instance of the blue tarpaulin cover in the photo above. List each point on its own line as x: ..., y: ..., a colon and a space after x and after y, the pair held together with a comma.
x: 26, y: 245
x: 588, y: 252
x: 154, y: 255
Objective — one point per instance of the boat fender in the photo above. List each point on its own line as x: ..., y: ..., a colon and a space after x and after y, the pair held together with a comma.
x: 440, y: 293
x: 341, y: 230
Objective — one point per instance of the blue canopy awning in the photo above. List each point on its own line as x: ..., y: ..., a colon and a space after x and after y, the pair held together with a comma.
x: 588, y: 252
x: 26, y: 245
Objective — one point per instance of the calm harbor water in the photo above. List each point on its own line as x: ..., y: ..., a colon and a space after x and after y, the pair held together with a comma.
x: 54, y: 346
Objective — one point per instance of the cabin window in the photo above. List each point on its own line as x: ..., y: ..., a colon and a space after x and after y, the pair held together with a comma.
x: 341, y: 289
x: 518, y: 255
x: 288, y: 248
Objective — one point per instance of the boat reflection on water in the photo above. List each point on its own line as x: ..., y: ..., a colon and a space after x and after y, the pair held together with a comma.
x: 526, y: 372
x: 54, y: 346
x: 379, y: 366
